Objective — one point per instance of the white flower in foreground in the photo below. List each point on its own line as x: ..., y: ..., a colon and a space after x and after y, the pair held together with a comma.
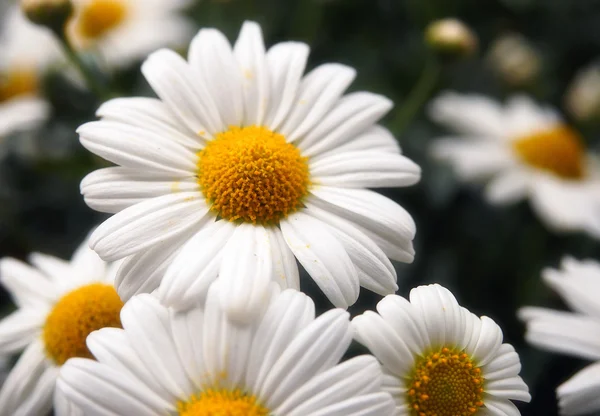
x: 59, y: 303
x: 123, y: 31
x: 576, y: 333
x: 522, y: 151
x: 439, y: 359
x: 248, y: 166
x: 199, y: 363
x: 26, y: 51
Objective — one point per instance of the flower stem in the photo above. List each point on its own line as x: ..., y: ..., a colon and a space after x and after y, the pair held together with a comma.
x: 418, y: 95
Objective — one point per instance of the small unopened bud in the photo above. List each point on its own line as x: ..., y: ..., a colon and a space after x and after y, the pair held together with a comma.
x: 582, y: 98
x: 52, y: 14
x: 514, y: 59
x: 451, y: 37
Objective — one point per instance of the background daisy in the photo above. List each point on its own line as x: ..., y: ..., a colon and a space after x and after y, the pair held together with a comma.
x: 576, y: 333
x: 198, y: 362
x: 439, y: 359
x: 521, y: 150
x: 245, y: 165
x: 58, y: 303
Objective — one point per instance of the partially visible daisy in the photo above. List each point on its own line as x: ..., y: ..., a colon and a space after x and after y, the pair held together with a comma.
x: 575, y: 333
x: 26, y: 51
x: 124, y: 31
x: 522, y: 151
x: 284, y: 363
x: 439, y: 359
x: 59, y: 303
x: 246, y: 165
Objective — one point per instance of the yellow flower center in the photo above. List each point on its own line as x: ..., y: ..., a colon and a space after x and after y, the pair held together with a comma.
x: 16, y: 82
x: 222, y: 403
x: 252, y: 174
x: 559, y: 151
x: 100, y: 16
x: 445, y: 383
x: 75, y: 315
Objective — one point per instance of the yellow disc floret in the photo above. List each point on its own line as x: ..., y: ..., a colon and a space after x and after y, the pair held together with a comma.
x: 559, y: 151
x: 17, y: 82
x: 75, y: 315
x: 445, y: 383
x: 100, y: 16
x: 252, y: 174
x: 224, y: 402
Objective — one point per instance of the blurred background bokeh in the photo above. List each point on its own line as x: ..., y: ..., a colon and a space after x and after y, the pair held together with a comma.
x: 490, y: 257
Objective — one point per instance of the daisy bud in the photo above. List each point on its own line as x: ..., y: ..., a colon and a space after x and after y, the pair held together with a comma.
x: 52, y: 14
x: 515, y: 60
x: 582, y: 98
x: 451, y: 37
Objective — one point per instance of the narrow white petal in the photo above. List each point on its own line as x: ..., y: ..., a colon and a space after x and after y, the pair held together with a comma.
x: 285, y: 269
x: 188, y: 339
x: 506, y: 363
x: 508, y: 187
x: 500, y: 407
x: 489, y: 341
x: 352, y: 114
x: 318, y: 93
x: 286, y: 62
x: 581, y: 393
x: 215, y: 68
x: 148, y: 223
x: 374, y: 404
x: 20, y: 328
x: 246, y: 272
x: 380, y: 218
x: 86, y: 264
x: 249, y: 51
x: 39, y: 400
x: 375, y: 138
x: 512, y: 388
x: 323, y: 257
x: 27, y: 285
x: 406, y: 321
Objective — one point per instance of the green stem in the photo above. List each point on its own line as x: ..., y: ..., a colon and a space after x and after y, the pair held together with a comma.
x: 418, y: 95
x: 89, y: 77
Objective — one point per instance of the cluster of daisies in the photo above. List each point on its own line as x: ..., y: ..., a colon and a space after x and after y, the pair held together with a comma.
x: 187, y: 301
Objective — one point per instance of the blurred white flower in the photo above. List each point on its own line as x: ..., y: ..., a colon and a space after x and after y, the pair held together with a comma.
x: 514, y: 59
x: 123, y: 31
x: 59, y: 303
x: 583, y: 95
x: 574, y: 333
x: 439, y: 359
x: 245, y: 165
x: 26, y: 51
x: 284, y: 363
x: 522, y: 151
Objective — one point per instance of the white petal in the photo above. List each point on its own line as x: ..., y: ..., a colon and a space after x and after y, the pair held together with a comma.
x: 87, y: 265
x: 39, y: 400
x: 507, y: 187
x: 323, y: 257
x: 187, y: 279
x: 500, y: 407
x: 513, y: 388
x: 406, y: 321
x: 188, y: 340
x: 27, y: 285
x: 319, y: 91
x: 380, y: 218
x: 286, y: 62
x: 20, y: 328
x: 581, y: 393
x: 375, y: 138
x: 249, y: 51
x: 177, y: 86
x: 352, y: 114
x: 374, y: 404
x: 506, y: 363
x: 148, y: 223
x: 114, y: 189
x: 285, y: 269
x: 215, y: 67
x: 365, y: 169
x: 246, y: 272
x: 22, y: 113
x: 489, y: 342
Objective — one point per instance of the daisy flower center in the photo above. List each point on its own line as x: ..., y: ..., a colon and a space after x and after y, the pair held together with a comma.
x: 222, y: 402
x: 559, y: 151
x: 75, y: 315
x: 16, y: 82
x: 100, y: 16
x: 252, y: 174
x: 445, y: 383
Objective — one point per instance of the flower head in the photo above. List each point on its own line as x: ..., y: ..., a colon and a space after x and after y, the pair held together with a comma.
x: 574, y: 333
x: 59, y: 304
x: 198, y: 362
x: 243, y: 166
x: 522, y: 151
x: 439, y: 359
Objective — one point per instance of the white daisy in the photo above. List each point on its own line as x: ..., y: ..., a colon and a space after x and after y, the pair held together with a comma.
x: 576, y: 333
x: 200, y: 363
x: 126, y: 30
x: 26, y: 51
x: 59, y: 303
x: 249, y: 166
x: 439, y: 358
x: 522, y: 151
